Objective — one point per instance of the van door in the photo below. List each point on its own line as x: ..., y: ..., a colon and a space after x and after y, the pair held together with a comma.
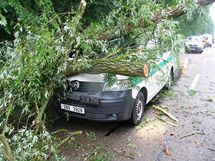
x: 159, y: 75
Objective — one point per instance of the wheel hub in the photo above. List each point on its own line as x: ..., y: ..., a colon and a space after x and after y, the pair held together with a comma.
x: 139, y: 109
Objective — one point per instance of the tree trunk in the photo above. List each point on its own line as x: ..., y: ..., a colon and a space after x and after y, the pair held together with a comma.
x: 123, y: 67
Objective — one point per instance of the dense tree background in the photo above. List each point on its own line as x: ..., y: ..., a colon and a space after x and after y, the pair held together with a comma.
x: 200, y: 23
x: 17, y: 11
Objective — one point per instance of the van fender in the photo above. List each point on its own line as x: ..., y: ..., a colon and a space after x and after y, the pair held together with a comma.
x: 140, y: 88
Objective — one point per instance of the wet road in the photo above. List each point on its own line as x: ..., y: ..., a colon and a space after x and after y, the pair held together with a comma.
x: 191, y: 101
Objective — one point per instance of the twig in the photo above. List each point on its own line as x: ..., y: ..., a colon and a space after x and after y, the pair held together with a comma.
x: 7, y: 150
x: 191, y: 134
x: 165, y: 112
x: 69, y: 137
x: 93, y: 152
x: 166, y: 121
x: 60, y: 130
x: 211, y: 149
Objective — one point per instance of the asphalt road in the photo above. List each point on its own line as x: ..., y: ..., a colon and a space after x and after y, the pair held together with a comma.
x: 191, y: 101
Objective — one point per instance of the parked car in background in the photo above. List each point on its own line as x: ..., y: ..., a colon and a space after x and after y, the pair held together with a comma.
x: 194, y: 44
x: 207, y: 40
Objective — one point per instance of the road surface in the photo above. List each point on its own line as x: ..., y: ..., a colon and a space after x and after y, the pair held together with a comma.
x: 191, y: 101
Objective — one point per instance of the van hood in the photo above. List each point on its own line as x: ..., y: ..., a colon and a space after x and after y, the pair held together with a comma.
x: 93, y: 77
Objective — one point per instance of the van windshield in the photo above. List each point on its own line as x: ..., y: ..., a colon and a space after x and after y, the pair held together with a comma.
x: 193, y: 38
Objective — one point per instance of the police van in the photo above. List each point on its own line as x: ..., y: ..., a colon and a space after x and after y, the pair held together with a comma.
x: 93, y: 98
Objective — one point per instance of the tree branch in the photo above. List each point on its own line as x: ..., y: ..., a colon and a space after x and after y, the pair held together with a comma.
x: 169, y: 12
x: 7, y: 150
x: 205, y: 2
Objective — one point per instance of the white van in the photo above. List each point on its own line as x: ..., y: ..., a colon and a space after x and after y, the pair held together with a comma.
x: 93, y: 99
x: 194, y: 44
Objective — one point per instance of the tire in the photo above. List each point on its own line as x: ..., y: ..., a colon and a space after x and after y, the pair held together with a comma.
x: 170, y: 79
x: 138, y: 110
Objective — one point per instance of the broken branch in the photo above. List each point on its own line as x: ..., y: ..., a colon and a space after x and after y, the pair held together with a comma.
x: 167, y: 121
x: 211, y: 149
x: 191, y: 134
x: 165, y: 112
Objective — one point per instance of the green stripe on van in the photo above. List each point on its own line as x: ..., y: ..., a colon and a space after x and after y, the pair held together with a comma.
x: 137, y: 80
x: 160, y: 65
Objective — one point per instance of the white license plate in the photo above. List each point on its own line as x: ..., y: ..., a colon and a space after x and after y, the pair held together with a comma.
x: 72, y: 108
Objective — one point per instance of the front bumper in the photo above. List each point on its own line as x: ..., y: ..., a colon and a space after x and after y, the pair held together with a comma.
x: 195, y: 49
x: 111, y: 105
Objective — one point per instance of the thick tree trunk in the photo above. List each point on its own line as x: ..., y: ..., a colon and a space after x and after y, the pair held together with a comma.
x: 135, y: 68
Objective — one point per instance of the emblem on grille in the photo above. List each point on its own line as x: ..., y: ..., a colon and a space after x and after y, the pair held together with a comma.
x: 75, y: 85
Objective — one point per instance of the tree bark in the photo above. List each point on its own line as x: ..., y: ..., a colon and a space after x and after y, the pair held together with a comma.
x: 122, y: 67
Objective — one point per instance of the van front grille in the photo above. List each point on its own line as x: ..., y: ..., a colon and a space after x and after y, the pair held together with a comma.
x: 90, y: 87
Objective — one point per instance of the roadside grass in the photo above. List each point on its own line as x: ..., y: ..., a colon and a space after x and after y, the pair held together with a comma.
x: 164, y: 93
x: 167, y: 94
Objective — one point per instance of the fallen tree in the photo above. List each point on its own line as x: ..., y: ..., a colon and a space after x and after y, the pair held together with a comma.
x: 160, y: 20
x: 34, y: 65
x: 40, y: 54
x: 111, y: 66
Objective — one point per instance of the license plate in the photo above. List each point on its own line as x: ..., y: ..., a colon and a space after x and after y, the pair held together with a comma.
x: 72, y: 108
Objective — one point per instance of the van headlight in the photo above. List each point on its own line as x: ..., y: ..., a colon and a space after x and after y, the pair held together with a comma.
x: 119, y: 85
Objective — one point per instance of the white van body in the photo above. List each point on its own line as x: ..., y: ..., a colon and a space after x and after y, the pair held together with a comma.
x: 195, y: 44
x: 91, y: 98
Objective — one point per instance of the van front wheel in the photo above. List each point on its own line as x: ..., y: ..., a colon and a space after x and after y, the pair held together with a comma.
x: 138, y: 109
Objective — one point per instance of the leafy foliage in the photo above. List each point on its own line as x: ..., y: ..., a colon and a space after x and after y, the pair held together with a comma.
x: 46, y: 33
x: 27, y: 145
x: 199, y: 23
x: 31, y: 70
